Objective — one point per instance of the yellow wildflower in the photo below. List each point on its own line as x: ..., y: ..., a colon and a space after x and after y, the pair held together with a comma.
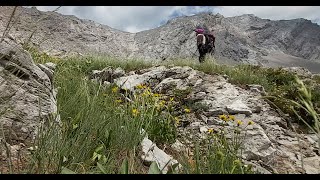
x: 119, y: 101
x: 115, y: 89
x: 147, y: 92
x: 232, y: 118
x: 141, y: 86
x: 250, y: 122
x: 187, y: 110
x: 223, y: 117
x: 239, y: 122
x: 162, y: 103
x: 135, y: 112
x: 210, y: 130
x: 171, y: 99
x: 177, y: 119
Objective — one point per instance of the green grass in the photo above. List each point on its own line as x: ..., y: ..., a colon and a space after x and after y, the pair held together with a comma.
x: 98, y: 133
x: 90, y: 120
x: 305, y: 102
x: 217, y: 157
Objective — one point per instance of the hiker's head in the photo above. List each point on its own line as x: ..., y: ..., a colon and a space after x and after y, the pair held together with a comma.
x: 199, y: 30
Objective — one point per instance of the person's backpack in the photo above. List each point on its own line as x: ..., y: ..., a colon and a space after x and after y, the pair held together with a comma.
x: 210, y: 39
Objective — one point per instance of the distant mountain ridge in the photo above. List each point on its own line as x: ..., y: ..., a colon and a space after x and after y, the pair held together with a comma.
x: 245, y: 38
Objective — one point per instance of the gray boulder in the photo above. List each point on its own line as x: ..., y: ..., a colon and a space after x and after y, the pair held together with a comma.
x: 300, y: 71
x: 152, y: 153
x: 27, y: 95
x: 107, y: 74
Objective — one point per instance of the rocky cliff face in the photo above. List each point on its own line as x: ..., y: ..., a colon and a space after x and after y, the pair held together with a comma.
x: 27, y: 95
x: 245, y: 38
x: 27, y: 100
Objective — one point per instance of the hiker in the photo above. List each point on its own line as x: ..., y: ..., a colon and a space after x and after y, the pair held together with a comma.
x: 205, y: 41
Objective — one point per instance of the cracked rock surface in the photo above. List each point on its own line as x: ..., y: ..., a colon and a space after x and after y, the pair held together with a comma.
x: 268, y: 144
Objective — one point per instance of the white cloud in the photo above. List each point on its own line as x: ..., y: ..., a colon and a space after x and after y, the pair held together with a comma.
x: 127, y: 18
x: 138, y: 18
x: 133, y: 29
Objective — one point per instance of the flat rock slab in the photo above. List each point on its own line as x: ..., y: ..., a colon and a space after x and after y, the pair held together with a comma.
x: 238, y: 107
x: 152, y: 153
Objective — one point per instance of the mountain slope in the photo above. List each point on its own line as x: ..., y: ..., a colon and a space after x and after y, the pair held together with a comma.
x: 60, y: 34
x: 245, y: 38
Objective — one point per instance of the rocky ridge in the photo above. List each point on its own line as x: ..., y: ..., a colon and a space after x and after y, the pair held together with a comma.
x: 245, y: 38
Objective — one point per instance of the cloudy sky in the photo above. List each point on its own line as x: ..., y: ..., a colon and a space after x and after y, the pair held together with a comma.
x: 139, y: 18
